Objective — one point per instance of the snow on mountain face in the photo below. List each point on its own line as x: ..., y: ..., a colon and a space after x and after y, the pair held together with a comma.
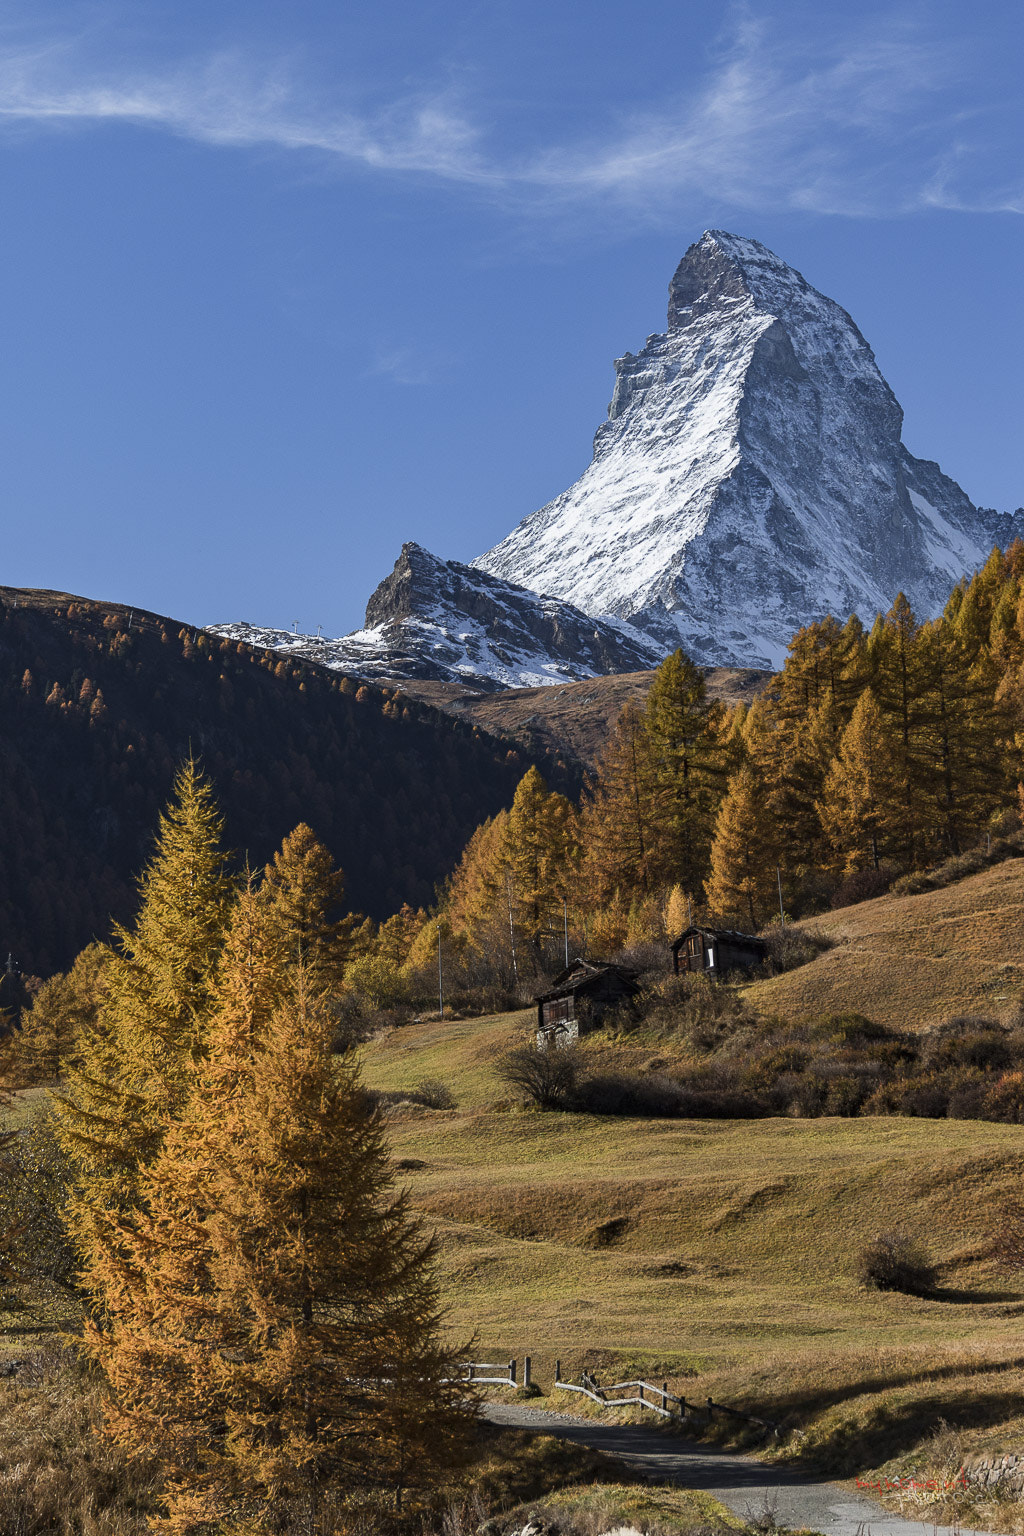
x: 749, y: 478
x: 438, y: 619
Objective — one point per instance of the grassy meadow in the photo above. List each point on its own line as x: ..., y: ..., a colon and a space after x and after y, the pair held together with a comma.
x: 719, y: 1254
x: 913, y: 961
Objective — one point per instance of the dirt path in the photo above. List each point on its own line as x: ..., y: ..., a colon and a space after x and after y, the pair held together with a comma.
x: 744, y: 1485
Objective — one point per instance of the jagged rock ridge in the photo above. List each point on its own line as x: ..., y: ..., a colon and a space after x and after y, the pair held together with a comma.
x: 750, y: 477
x: 438, y: 620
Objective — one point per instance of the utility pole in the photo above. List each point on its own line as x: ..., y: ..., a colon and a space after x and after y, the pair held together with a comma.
x: 440, y: 975
x: 565, y: 914
x: 782, y: 915
x: 511, y: 928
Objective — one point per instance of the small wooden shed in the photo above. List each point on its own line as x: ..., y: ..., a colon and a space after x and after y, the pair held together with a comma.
x: 579, y: 999
x: 717, y: 951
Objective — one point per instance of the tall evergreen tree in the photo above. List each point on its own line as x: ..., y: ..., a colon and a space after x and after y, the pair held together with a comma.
x: 62, y: 1013
x: 964, y: 729
x: 275, y: 1337
x: 688, y: 772
x: 538, y: 850
x: 895, y: 658
x: 617, y: 822
x: 861, y: 803
x: 305, y: 893
x: 137, y: 1061
x: 744, y: 854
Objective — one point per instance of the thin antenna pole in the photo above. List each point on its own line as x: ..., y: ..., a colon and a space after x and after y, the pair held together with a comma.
x: 782, y: 915
x: 511, y: 928
x: 440, y: 975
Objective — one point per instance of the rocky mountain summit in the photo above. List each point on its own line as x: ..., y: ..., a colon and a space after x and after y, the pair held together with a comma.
x: 750, y: 477
x: 441, y: 621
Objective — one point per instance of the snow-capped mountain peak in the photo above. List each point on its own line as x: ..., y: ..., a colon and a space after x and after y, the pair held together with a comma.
x: 750, y: 476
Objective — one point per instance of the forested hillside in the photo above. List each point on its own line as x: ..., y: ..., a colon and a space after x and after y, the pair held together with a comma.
x: 873, y: 755
x: 99, y: 706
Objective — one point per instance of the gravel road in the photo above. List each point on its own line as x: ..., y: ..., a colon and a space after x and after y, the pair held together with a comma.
x: 741, y: 1483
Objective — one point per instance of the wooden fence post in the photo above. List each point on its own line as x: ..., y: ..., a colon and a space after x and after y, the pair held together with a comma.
x: 664, y: 1395
x: 512, y: 1373
x: 526, y: 1372
x: 558, y: 1370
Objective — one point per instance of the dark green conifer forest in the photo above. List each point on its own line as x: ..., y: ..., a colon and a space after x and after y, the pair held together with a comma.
x: 100, y: 704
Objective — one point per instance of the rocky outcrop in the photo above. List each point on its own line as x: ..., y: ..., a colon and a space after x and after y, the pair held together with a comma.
x: 437, y: 620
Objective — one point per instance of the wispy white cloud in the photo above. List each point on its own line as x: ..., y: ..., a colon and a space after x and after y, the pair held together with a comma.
x: 869, y: 125
x: 224, y: 100
x: 403, y: 365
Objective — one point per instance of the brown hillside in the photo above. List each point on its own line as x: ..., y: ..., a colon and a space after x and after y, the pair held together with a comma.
x: 572, y: 719
x: 914, y: 961
x: 100, y: 702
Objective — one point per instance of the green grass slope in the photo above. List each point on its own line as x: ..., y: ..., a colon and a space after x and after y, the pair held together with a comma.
x: 720, y: 1254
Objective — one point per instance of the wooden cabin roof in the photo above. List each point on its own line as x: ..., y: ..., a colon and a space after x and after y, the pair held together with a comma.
x: 731, y: 935
x: 581, y: 973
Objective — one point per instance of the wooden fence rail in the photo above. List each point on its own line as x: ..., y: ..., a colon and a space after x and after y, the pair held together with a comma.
x: 645, y: 1394
x: 472, y: 1368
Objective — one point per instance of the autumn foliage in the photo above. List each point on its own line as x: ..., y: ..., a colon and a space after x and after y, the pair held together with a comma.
x: 261, y: 1303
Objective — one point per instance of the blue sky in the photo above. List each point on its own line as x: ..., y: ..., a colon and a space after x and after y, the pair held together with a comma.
x: 285, y: 284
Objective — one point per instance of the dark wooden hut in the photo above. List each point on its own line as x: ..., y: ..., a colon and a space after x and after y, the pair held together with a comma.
x: 717, y: 951
x: 579, y: 999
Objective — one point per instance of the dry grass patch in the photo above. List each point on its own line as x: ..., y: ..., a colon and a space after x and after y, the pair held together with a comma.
x: 731, y: 1265
x: 913, y: 961
x: 59, y: 1477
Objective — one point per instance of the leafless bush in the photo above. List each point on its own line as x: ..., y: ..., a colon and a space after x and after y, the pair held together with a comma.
x: 862, y: 885
x: 894, y: 1261
x: 650, y: 960
x: 549, y: 1079
x: 435, y: 1094
x: 790, y: 947
x: 969, y: 1041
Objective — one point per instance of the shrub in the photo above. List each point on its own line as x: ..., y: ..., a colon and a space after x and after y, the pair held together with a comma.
x: 624, y: 1093
x: 377, y: 979
x: 851, y: 1029
x: 968, y: 1094
x: 893, y: 1261
x: 648, y: 958
x: 790, y: 947
x: 969, y: 1041
x: 1004, y: 1100
x: 924, y: 1097
x: 548, y: 1078
x: 862, y: 885
x: 435, y: 1094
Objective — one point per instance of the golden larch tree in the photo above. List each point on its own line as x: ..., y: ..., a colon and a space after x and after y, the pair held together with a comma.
x: 743, y: 880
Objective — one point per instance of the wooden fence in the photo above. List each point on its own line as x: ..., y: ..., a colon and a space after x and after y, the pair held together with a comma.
x: 472, y: 1369
x: 645, y: 1394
